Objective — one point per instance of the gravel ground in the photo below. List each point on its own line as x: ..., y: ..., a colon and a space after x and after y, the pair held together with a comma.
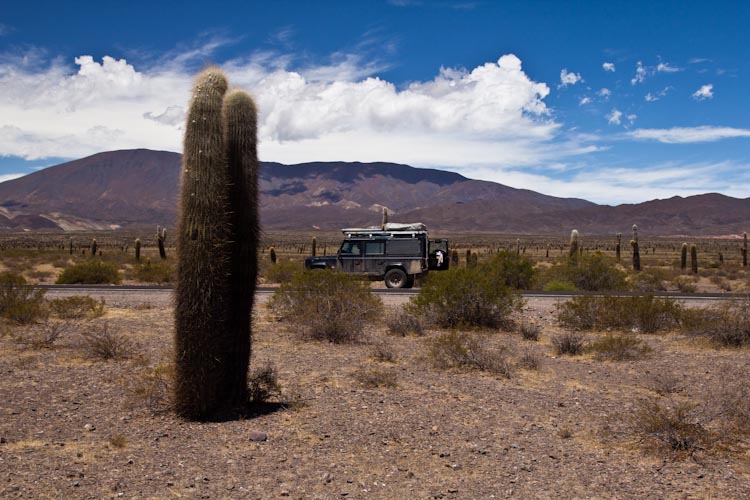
x: 71, y: 428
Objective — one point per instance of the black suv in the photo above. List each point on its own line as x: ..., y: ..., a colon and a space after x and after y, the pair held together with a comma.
x: 395, y: 253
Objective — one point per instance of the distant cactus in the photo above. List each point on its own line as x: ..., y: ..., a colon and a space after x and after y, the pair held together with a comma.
x: 636, y: 255
x: 161, y: 238
x: 314, y: 246
x: 138, y: 249
x: 518, y: 246
x: 618, y: 246
x: 272, y: 255
x: 547, y: 254
x: 468, y: 257
x: 216, y: 246
x: 474, y: 259
x: 744, y: 249
x: 694, y: 259
x: 385, y: 217
x: 71, y: 245
x: 573, y: 253
x: 683, y: 256
x: 454, y: 259
x: 721, y: 258
x: 93, y: 247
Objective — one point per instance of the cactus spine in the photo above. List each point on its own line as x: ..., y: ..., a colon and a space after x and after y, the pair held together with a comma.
x: 683, y: 257
x: 138, y: 249
x: 618, y: 246
x: 217, y: 250
x: 694, y: 259
x: 573, y: 254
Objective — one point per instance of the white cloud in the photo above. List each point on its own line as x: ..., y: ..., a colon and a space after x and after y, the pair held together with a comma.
x: 684, y: 135
x: 608, y: 66
x: 605, y: 92
x: 584, y: 101
x: 632, y: 118
x: 640, y: 74
x: 667, y: 68
x: 569, y: 78
x: 703, y: 93
x: 335, y: 111
x: 614, y: 117
x: 10, y: 177
x: 653, y: 97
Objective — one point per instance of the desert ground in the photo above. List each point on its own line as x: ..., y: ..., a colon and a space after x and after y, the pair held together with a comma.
x: 75, y: 426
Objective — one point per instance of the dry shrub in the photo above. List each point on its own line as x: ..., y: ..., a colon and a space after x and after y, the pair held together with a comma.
x: 19, y: 302
x: 372, y: 378
x: 530, y: 359
x: 101, y: 341
x: 153, y: 388
x: 664, y: 383
x: 572, y: 344
x: 731, y: 400
x: 283, y: 271
x: 405, y: 321
x: 90, y: 272
x: 454, y: 349
x: 263, y: 384
x: 44, y: 334
x: 645, y: 314
x: 77, y: 307
x: 618, y: 347
x: 677, y: 426
x: 327, y: 305
x: 383, y: 351
x: 726, y: 325
x: 685, y: 284
x: 530, y: 331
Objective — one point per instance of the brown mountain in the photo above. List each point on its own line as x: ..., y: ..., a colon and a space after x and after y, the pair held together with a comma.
x: 139, y: 187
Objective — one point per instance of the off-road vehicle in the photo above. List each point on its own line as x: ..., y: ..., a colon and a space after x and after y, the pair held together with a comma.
x: 395, y: 253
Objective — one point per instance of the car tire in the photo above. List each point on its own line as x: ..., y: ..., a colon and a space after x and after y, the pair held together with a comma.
x: 395, y: 278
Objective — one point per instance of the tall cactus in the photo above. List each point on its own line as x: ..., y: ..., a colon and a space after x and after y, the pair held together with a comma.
x: 314, y: 246
x: 71, y: 245
x: 636, y: 251
x: 573, y: 253
x: 217, y: 250
x: 138, y: 249
x: 518, y: 246
x: 385, y: 217
x: 683, y: 257
x: 93, y: 247
x: 618, y: 246
x: 161, y: 238
x: 272, y: 255
x: 744, y: 249
x: 694, y: 259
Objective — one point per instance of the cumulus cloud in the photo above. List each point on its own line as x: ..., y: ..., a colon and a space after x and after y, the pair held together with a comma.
x: 667, y: 68
x: 569, y: 78
x: 584, y: 101
x: 605, y: 92
x: 493, y: 113
x: 614, y: 117
x: 640, y: 74
x: 703, y: 93
x: 608, y: 66
x: 684, y: 135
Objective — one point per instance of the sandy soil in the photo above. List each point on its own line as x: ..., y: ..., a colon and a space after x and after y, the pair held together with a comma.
x: 70, y: 428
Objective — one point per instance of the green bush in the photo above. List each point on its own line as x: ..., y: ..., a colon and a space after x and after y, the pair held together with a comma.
x: 283, y: 271
x: 649, y: 281
x: 510, y: 269
x: 77, y: 307
x: 466, y: 298
x: 90, y: 272
x: 160, y: 272
x: 645, y: 314
x: 590, y: 271
x: 20, y: 302
x: 556, y: 285
x: 327, y: 305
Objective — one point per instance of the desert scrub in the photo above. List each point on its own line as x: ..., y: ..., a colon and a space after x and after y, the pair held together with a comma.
x: 283, y: 271
x: 461, y: 350
x: 726, y: 325
x: 529, y: 331
x: 90, y: 272
x: 466, y: 298
x: 101, y: 341
x: 152, y: 387
x: 263, y: 383
x: 511, y: 269
x: 571, y: 344
x: 404, y: 321
x: 649, y: 281
x: 19, y: 302
x: 163, y: 271
x: 618, y: 347
x: 685, y: 284
x: 327, y: 305
x: 593, y: 272
x: 645, y: 314
x: 676, y: 425
x: 77, y: 307
x: 374, y: 377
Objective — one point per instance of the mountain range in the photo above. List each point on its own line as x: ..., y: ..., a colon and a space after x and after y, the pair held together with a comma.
x: 139, y: 187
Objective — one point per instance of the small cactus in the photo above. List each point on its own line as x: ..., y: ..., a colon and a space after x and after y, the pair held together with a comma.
x: 385, y: 217
x: 468, y: 257
x: 694, y: 259
x: 618, y: 246
x: 636, y: 255
x: 314, y: 246
x: 71, y: 245
x: 518, y: 246
x: 138, y: 249
x: 93, y: 247
x: 744, y: 249
x: 683, y: 257
x: 272, y: 255
x: 454, y: 259
x: 161, y: 238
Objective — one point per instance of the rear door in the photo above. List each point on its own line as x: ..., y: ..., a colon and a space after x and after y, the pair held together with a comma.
x: 375, y: 257
x: 439, y: 256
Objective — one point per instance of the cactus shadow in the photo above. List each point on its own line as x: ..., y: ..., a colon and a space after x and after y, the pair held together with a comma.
x: 249, y: 411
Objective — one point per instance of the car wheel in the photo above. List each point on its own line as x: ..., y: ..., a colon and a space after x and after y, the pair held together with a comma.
x: 395, y: 278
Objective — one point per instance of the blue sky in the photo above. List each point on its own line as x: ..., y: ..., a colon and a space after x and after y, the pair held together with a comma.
x: 615, y: 102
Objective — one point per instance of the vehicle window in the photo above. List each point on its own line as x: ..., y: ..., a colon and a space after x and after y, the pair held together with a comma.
x: 374, y: 248
x: 404, y: 247
x: 351, y: 248
x: 436, y: 245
